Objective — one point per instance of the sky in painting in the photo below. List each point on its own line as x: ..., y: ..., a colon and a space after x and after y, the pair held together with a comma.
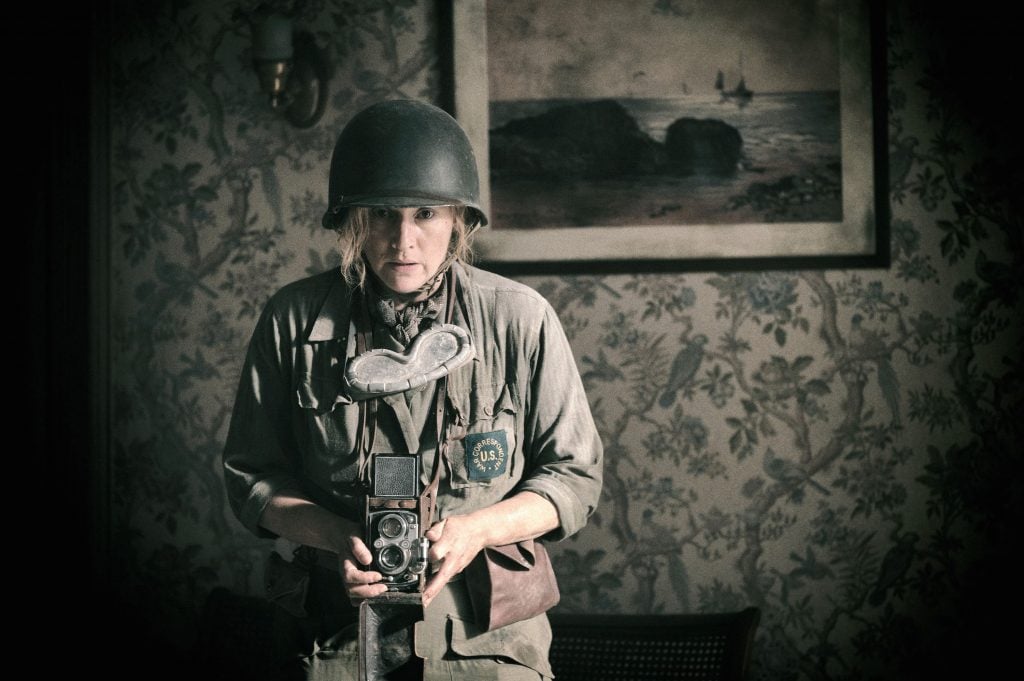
x: 539, y: 49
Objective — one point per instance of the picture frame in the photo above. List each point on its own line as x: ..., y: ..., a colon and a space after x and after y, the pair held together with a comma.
x: 841, y: 220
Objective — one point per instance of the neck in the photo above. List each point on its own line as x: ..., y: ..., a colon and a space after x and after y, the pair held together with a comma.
x: 403, y: 300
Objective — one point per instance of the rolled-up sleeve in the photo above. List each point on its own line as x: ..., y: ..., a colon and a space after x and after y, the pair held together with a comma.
x: 563, y: 446
x: 259, y: 457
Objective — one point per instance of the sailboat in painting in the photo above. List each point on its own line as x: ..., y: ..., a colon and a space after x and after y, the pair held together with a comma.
x: 741, y: 94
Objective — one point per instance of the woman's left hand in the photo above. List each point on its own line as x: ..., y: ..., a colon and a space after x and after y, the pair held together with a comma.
x: 454, y: 542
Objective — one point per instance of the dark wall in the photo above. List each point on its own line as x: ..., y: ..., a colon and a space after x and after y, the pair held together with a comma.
x: 49, y: 124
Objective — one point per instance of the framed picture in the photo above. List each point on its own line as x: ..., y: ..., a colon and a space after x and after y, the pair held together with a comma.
x: 674, y: 134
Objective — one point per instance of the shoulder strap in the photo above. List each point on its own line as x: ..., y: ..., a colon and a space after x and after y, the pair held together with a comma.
x: 367, y: 408
x: 429, y: 499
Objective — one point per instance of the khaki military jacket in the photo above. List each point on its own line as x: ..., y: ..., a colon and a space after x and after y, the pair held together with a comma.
x: 518, y: 418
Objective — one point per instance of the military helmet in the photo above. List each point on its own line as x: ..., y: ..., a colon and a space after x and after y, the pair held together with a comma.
x: 402, y: 153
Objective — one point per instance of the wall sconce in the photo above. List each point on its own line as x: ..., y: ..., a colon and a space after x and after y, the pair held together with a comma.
x: 291, y: 68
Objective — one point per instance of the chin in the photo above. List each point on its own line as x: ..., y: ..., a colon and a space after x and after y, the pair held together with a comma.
x: 405, y: 286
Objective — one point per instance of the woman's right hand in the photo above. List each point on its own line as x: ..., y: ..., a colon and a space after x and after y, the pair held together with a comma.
x: 292, y: 516
x: 360, y: 582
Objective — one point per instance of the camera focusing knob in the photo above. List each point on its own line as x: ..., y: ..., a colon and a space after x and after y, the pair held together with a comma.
x: 419, y: 559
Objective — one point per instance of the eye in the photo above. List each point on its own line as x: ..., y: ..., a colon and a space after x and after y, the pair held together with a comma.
x: 425, y: 213
x: 379, y: 213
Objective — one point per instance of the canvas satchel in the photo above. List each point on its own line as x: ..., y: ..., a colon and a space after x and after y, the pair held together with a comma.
x: 511, y: 583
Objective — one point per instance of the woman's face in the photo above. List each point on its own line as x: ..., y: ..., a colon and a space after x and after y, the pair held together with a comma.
x: 406, y: 246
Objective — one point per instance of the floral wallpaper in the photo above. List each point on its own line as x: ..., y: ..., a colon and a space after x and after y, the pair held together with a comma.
x: 835, y: 447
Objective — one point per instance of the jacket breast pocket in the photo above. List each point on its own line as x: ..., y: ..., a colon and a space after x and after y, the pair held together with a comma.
x: 488, y: 452
x: 327, y: 429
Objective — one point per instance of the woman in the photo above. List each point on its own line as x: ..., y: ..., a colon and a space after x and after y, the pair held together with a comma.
x: 519, y: 457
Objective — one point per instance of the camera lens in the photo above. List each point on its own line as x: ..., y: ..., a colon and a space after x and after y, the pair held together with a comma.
x: 391, y: 557
x: 391, y: 526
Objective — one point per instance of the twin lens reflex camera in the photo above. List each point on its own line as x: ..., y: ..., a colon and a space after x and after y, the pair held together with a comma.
x: 393, y: 532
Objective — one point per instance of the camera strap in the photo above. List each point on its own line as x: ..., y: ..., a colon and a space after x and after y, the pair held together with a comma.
x: 367, y: 408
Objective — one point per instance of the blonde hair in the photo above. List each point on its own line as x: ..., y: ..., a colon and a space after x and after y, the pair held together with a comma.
x: 354, y: 229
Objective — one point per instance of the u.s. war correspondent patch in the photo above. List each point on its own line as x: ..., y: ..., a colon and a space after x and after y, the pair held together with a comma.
x: 486, y: 455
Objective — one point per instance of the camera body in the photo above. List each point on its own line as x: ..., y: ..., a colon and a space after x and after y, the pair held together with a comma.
x: 393, y: 525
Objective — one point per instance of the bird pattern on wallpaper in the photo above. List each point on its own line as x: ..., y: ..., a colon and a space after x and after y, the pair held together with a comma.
x: 868, y: 345
x: 789, y: 472
x: 897, y: 561
x: 684, y: 368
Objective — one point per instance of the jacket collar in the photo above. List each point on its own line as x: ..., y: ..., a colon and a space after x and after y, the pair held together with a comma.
x: 333, y: 318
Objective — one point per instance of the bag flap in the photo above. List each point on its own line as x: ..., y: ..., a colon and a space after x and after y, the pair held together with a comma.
x: 521, y: 555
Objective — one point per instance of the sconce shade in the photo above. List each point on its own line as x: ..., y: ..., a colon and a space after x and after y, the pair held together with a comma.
x: 272, y: 38
x: 291, y: 69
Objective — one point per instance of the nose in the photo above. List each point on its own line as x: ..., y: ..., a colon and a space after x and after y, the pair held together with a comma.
x: 403, y: 236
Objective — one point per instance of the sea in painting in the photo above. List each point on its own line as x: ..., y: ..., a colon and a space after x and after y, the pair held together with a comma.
x: 788, y: 169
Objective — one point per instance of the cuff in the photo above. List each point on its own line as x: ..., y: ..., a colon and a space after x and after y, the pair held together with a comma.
x: 259, y: 498
x: 572, y: 514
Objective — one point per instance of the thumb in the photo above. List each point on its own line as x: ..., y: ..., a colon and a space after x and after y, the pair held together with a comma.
x: 359, y: 551
x: 436, y: 531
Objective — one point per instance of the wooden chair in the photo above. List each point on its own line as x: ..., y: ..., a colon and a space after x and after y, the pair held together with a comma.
x: 696, y: 647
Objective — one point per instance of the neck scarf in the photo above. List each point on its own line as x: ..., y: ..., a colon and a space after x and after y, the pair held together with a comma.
x: 405, y: 323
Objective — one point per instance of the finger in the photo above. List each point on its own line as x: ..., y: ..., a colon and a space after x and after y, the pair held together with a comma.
x: 355, y: 574
x: 436, y: 530
x: 447, y: 570
x: 358, y: 594
x: 434, y: 586
x: 360, y: 551
x: 361, y: 584
x: 436, y: 554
